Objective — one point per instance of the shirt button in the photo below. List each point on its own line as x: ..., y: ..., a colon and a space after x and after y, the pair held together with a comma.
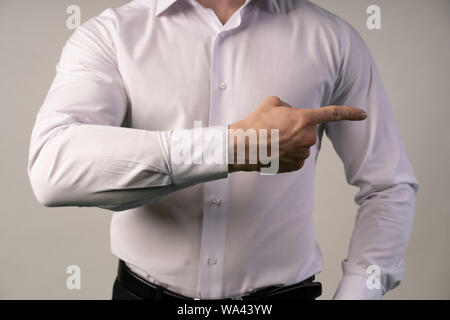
x: 216, y: 202
x: 212, y: 260
x: 222, y: 86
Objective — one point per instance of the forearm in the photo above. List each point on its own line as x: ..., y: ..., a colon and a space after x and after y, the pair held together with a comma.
x: 379, y: 240
x: 112, y: 167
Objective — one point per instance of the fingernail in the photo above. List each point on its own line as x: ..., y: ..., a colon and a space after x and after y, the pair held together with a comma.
x: 363, y: 115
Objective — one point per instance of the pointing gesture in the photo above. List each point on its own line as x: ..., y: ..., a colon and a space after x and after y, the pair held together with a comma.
x: 297, y: 130
x: 334, y: 113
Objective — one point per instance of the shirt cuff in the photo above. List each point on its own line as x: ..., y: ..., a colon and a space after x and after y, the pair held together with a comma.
x: 354, y: 287
x: 197, y: 155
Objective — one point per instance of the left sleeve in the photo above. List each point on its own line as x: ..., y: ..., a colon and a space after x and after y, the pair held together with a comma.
x: 376, y: 162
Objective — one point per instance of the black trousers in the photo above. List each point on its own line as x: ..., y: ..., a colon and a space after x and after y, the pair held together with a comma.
x: 122, y: 293
x: 129, y: 286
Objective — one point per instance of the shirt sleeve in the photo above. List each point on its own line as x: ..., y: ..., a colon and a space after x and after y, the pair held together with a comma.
x: 375, y: 161
x: 80, y: 155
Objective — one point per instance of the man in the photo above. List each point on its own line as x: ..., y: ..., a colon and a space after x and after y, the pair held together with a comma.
x: 132, y: 79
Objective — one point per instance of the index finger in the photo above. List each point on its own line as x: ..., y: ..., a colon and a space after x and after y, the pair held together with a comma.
x: 335, y: 113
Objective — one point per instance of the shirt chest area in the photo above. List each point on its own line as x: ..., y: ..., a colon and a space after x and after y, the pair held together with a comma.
x: 219, y: 79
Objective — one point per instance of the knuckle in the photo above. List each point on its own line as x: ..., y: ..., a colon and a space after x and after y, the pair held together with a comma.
x: 310, y: 140
x: 336, y: 115
x: 302, y: 154
x: 307, y: 153
x: 273, y: 100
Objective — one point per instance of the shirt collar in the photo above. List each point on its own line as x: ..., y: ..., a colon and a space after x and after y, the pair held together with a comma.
x: 163, y: 5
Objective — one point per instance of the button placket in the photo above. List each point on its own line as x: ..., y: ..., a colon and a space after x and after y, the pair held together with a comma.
x: 212, y: 250
x: 222, y: 86
x: 216, y: 201
x: 212, y: 260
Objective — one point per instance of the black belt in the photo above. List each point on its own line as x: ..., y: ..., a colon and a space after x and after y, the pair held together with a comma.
x: 305, y: 290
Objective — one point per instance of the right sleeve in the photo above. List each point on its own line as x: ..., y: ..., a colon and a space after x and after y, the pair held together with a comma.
x: 79, y: 153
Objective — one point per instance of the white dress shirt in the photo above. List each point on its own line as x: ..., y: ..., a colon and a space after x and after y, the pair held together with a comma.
x: 128, y: 78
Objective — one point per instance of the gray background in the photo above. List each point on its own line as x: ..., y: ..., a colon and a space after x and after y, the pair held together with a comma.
x: 37, y: 243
